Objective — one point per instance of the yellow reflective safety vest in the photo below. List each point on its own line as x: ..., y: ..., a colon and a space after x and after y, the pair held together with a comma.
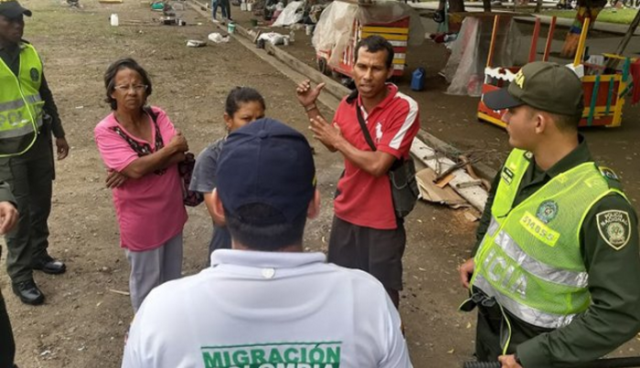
x: 20, y: 103
x: 530, y: 259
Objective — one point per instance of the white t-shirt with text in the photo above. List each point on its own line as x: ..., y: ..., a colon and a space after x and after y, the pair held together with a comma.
x: 268, y: 310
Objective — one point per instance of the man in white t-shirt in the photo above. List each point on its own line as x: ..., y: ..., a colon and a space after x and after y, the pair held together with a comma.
x: 265, y: 303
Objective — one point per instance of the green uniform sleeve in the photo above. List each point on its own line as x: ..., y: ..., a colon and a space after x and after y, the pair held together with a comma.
x: 609, y: 239
x: 485, y: 220
x: 5, y: 193
x: 51, y: 109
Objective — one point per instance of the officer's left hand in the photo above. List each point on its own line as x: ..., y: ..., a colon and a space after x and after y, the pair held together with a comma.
x: 509, y: 361
x: 62, y: 148
x: 8, y: 217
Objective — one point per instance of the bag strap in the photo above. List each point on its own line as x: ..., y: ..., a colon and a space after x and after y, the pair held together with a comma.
x: 154, y: 117
x: 144, y: 149
x: 367, y: 136
x: 363, y: 127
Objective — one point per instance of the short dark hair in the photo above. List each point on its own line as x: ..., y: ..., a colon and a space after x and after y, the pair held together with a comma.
x: 110, y: 78
x: 240, y: 95
x: 374, y: 44
x: 261, y: 227
x: 566, y: 122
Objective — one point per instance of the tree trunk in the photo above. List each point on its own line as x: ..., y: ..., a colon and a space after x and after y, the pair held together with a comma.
x: 456, y: 6
x: 538, y: 7
x: 486, y: 5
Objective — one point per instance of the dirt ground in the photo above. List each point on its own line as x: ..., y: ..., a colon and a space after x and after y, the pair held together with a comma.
x: 83, y: 321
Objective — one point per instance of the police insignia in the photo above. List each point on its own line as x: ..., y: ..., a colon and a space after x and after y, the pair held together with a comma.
x: 507, y: 175
x: 614, y: 228
x: 35, y: 76
x: 608, y: 173
x: 547, y: 211
x: 519, y: 79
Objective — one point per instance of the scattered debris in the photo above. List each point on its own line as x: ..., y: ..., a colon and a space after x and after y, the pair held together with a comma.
x: 273, y: 37
x: 431, y: 192
x: 125, y: 293
x: 472, y: 217
x: 218, y: 38
x: 469, y: 184
x: 475, y: 195
x: 196, y: 43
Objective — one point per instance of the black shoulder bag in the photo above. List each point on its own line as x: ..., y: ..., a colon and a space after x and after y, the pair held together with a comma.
x: 402, y: 176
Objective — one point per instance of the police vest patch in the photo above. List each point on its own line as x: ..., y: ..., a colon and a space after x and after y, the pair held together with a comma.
x: 35, y: 75
x: 614, y: 228
x: 507, y: 175
x: 547, y: 211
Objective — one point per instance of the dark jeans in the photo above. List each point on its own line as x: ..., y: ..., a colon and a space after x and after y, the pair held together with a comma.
x: 226, y: 8
x: 214, y: 6
x: 30, y: 177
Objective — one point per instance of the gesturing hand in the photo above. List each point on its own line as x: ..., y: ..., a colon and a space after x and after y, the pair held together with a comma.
x: 307, y: 96
x: 326, y: 133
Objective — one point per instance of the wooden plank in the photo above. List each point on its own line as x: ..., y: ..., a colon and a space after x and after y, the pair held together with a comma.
x: 613, y: 63
x: 547, y: 47
x: 534, y: 40
x: 431, y: 192
x: 476, y: 196
x: 391, y: 37
x: 369, y: 29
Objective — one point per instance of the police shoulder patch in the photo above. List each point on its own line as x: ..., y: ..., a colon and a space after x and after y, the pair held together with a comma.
x: 608, y: 173
x: 614, y: 227
x: 35, y: 75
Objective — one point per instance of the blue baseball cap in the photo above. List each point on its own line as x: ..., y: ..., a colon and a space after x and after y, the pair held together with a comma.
x: 266, y: 162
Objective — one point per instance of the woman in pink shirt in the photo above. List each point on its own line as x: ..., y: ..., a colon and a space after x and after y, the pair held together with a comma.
x: 141, y: 149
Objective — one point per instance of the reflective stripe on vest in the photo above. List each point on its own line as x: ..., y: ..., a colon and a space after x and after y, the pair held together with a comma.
x: 530, y: 258
x: 20, y: 103
x: 521, y: 311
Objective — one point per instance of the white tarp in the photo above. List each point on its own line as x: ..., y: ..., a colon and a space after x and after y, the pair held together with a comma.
x: 292, y: 14
x: 466, y: 65
x: 334, y: 29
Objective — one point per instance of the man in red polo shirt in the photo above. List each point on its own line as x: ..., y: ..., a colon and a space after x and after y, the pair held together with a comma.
x: 366, y: 233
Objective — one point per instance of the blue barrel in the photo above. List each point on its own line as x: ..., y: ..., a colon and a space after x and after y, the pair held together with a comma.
x: 417, y: 79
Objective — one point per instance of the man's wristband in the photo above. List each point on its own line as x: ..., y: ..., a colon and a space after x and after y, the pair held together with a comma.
x: 310, y: 107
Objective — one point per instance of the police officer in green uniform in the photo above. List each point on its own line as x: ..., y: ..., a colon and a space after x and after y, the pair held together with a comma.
x: 28, y: 117
x: 8, y: 220
x: 556, y: 271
